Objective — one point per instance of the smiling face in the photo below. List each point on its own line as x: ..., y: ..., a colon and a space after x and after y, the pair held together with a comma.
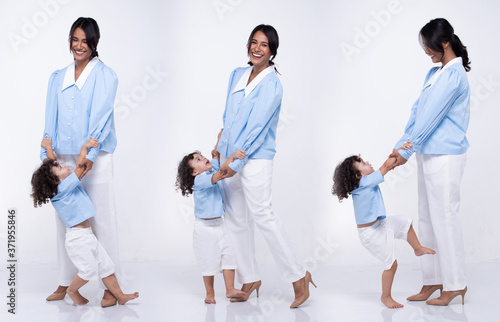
x: 259, y: 51
x: 79, y: 47
x: 200, y: 164
x: 61, y: 171
x: 364, y: 167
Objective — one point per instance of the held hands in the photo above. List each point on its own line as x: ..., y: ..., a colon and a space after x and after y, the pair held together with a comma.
x: 225, y: 170
x: 91, y: 143
x: 46, y: 143
x: 86, y: 164
x: 399, y: 158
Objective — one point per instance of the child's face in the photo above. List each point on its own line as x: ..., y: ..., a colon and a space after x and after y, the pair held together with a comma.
x: 200, y: 164
x: 364, y: 167
x: 61, y: 171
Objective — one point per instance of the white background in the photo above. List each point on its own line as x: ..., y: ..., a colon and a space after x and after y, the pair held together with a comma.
x: 335, y: 104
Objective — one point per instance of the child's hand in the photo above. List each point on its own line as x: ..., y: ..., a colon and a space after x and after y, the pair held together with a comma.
x: 46, y: 143
x: 406, y: 146
x: 215, y: 154
x: 91, y: 143
x: 240, y: 154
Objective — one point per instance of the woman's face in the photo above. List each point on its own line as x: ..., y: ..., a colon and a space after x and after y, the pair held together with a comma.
x: 259, y: 51
x: 79, y: 47
x: 435, y: 56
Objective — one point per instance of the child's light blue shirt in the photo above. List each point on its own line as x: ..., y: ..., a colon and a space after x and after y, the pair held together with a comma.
x: 251, y: 116
x: 78, y: 111
x: 71, y: 202
x: 208, y: 202
x: 440, y: 116
x: 367, y: 199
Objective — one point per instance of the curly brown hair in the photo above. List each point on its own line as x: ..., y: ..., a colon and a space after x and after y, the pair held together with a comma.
x: 185, y: 178
x: 346, y: 177
x: 44, y: 183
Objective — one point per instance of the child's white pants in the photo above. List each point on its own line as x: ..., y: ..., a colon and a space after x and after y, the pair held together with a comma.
x: 247, y: 199
x: 440, y: 228
x: 212, y: 246
x: 87, y: 254
x: 98, y: 183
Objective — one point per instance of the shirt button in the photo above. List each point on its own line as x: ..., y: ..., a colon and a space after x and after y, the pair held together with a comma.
x: 69, y: 138
x: 70, y: 111
x: 72, y: 97
x: 226, y: 140
x: 69, y: 124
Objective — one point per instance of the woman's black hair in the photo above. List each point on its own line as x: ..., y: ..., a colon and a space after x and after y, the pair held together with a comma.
x: 438, y: 31
x: 273, y: 41
x: 91, y: 30
x: 185, y: 178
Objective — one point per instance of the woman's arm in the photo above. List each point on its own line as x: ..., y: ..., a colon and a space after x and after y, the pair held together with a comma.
x: 50, y: 130
x: 91, y: 143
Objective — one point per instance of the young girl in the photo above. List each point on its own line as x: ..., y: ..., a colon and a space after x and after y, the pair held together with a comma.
x: 57, y: 183
x: 198, y: 176
x: 376, y: 231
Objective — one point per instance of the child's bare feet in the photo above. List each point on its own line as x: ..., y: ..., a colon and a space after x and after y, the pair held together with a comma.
x: 76, y: 297
x: 235, y: 293
x: 210, y: 299
x: 127, y: 297
x: 424, y: 251
x: 390, y: 303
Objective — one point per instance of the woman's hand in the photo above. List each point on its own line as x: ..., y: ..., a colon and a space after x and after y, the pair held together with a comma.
x: 399, y: 159
x: 226, y: 171
x: 86, y: 164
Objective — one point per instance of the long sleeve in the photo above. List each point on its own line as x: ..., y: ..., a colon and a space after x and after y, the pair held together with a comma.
x: 50, y: 129
x: 260, y: 119
x: 101, y: 115
x: 432, y: 110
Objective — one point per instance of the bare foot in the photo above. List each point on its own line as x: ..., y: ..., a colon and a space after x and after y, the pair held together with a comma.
x: 127, y: 297
x: 235, y: 293
x: 59, y: 294
x: 210, y: 299
x: 424, y: 251
x: 390, y: 303
x: 77, y: 297
x: 108, y: 299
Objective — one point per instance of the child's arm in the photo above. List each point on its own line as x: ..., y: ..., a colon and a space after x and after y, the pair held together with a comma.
x: 389, y: 163
x: 47, y: 144
x: 215, y: 153
x: 83, y: 152
x: 219, y: 175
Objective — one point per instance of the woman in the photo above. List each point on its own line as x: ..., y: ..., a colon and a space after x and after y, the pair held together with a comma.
x: 79, y: 106
x: 437, y: 128
x: 250, y: 121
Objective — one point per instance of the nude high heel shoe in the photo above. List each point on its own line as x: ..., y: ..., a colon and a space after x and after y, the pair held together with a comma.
x: 426, y: 292
x: 255, y: 286
x: 302, y: 286
x: 447, y: 296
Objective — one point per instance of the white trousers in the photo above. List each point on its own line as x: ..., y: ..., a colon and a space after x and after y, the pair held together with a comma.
x: 440, y: 228
x: 87, y: 254
x: 98, y: 183
x: 212, y: 246
x: 247, y: 199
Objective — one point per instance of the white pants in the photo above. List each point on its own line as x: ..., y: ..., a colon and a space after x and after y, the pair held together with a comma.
x: 247, y: 199
x: 98, y: 183
x: 87, y: 254
x: 439, y: 178
x: 379, y: 238
x: 212, y: 246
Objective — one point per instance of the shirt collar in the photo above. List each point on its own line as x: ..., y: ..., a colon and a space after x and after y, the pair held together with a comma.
x: 438, y: 73
x: 242, y: 83
x: 69, y: 77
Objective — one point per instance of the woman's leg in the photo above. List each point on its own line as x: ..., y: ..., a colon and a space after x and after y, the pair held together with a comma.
x: 443, y: 175
x: 256, y: 181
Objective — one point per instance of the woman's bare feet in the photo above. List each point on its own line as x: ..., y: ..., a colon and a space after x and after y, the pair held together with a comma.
x: 424, y: 251
x: 235, y: 293
x: 108, y: 299
x: 59, y: 294
x: 127, y: 297
x: 210, y: 298
x: 76, y: 297
x: 390, y: 303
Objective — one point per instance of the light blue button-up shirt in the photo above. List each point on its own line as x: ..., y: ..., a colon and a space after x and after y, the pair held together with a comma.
x: 77, y: 111
x: 367, y: 199
x: 440, y: 116
x: 208, y: 201
x: 251, y: 115
x: 71, y: 202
